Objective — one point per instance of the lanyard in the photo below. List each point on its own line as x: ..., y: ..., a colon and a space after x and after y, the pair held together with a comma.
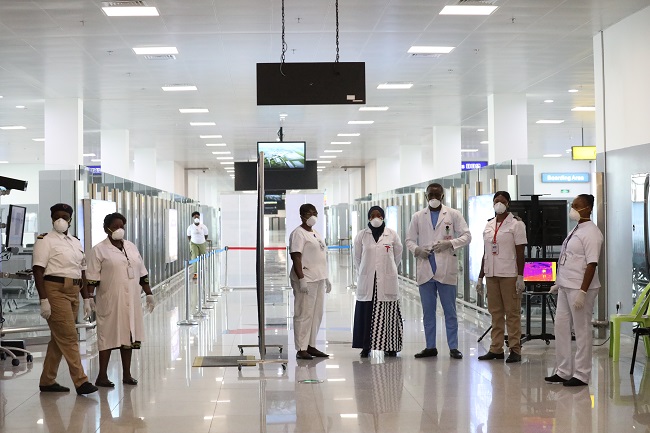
x: 566, y: 241
x: 494, y: 241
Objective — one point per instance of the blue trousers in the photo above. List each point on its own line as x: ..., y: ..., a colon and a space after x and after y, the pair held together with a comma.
x: 429, y: 293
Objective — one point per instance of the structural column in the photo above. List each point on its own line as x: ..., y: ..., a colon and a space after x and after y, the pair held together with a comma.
x: 63, y: 133
x: 446, y: 151
x: 115, y: 152
x: 410, y: 165
x: 144, y: 168
x: 388, y: 174
x: 508, y: 127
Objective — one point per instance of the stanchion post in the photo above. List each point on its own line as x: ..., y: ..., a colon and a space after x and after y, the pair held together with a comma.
x: 187, y: 320
x: 204, y: 283
x: 225, y: 278
x: 199, y: 307
x: 207, y: 278
x: 288, y: 269
x: 352, y: 286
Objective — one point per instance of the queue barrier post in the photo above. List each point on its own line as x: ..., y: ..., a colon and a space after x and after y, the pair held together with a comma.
x: 352, y: 285
x: 204, y: 282
x: 209, y: 265
x: 187, y: 321
x: 199, y: 307
x: 225, y: 283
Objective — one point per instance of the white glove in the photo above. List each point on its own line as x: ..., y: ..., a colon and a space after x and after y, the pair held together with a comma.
x: 303, y: 285
x: 328, y: 286
x: 442, y: 246
x: 422, y: 253
x: 520, y: 285
x: 46, y: 310
x: 554, y: 289
x: 151, y: 303
x: 480, y: 288
x: 89, y: 306
x: 580, y: 300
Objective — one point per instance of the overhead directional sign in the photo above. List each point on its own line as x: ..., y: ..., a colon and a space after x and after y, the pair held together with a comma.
x: 565, y: 177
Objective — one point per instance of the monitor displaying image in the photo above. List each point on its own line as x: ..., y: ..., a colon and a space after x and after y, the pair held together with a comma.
x: 15, y: 226
x: 540, y: 271
x: 280, y: 155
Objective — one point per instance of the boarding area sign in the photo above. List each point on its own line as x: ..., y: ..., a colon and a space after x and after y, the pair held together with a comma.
x: 565, y: 177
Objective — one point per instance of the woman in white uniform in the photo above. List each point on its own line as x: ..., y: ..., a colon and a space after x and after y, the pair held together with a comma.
x: 309, y: 282
x: 576, y: 286
x: 117, y: 271
x: 377, y: 316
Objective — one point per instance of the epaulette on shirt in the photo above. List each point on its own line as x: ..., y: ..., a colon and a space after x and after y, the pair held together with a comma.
x: 41, y: 236
x: 492, y: 218
x: 517, y: 218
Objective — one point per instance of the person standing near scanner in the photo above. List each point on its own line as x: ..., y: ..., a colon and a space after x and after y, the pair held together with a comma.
x: 576, y: 285
x: 197, y: 234
x: 433, y: 237
x: 59, y: 266
x: 309, y: 281
x: 504, y: 240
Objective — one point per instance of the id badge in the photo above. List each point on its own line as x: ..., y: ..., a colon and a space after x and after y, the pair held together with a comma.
x: 130, y: 273
x: 563, y: 259
x: 495, y: 248
x: 448, y: 238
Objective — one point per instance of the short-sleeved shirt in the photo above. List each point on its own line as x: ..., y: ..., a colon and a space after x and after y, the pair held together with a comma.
x: 580, y: 248
x: 509, y: 234
x: 197, y: 233
x: 61, y: 255
x: 314, y: 253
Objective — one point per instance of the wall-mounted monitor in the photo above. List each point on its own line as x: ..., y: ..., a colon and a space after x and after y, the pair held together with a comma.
x: 583, y: 153
x: 281, y: 155
x: 246, y: 177
x: 16, y: 226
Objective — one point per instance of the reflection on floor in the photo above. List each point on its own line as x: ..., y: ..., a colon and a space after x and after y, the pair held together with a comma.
x: 345, y: 394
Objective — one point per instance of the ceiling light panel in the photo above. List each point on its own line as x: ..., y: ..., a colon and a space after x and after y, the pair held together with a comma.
x: 394, y: 86
x: 155, y: 50
x: 468, y: 10
x: 549, y: 121
x: 361, y: 122
x: 341, y: 142
x: 429, y: 50
x: 202, y: 124
x: 221, y: 152
x: 210, y: 136
x: 373, y: 108
x: 129, y: 11
x: 216, y: 144
x: 583, y: 109
x: 179, y: 88
x: 352, y: 134
x: 327, y: 156
x: 193, y: 110
x: 12, y: 127
x: 553, y: 155
x: 332, y: 151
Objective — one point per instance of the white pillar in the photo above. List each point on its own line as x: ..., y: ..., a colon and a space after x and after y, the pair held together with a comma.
x: 144, y: 168
x: 115, y: 152
x: 388, y: 174
x: 508, y: 127
x: 166, y: 176
x: 446, y: 151
x: 63, y: 133
x: 410, y: 165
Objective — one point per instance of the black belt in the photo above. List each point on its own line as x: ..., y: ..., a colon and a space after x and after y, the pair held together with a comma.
x: 54, y: 279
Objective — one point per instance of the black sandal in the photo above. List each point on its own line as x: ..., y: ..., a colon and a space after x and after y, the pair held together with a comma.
x: 104, y: 383
x: 130, y: 381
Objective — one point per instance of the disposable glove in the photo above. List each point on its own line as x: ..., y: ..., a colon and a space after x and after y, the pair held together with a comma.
x: 520, y: 285
x: 46, y: 310
x: 89, y: 306
x: 328, y: 286
x: 580, y: 300
x: 303, y: 285
x: 480, y: 288
x: 151, y: 303
x: 422, y: 253
x: 554, y: 289
x: 442, y: 246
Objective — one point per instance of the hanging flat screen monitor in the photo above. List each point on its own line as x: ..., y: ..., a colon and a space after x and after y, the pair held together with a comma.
x: 587, y: 153
x: 281, y: 155
x: 246, y: 177
x: 15, y: 226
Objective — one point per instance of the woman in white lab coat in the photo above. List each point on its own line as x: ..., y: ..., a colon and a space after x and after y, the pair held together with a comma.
x: 377, y: 316
x: 117, y: 271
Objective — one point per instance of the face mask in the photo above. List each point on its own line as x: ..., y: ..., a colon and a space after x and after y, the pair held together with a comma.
x: 434, y: 203
x: 376, y: 222
x: 196, y: 220
x: 118, y: 235
x: 499, y: 208
x: 574, y: 214
x: 61, y: 225
x: 311, y: 221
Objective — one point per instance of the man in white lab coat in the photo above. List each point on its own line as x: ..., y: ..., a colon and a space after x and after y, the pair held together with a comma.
x: 433, y: 237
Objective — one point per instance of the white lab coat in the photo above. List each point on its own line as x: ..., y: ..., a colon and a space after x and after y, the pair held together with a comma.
x: 119, y: 307
x: 452, y: 225
x: 381, y: 257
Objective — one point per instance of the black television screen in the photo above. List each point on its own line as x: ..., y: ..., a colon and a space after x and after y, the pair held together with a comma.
x: 246, y: 177
x: 280, y: 155
x: 15, y: 226
x: 547, y: 226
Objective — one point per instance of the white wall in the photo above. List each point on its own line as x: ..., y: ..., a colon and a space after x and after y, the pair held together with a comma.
x: 561, y: 165
x: 28, y: 172
x: 371, y: 177
x: 387, y: 174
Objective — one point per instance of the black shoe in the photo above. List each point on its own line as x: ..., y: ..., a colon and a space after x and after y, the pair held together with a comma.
x: 491, y: 355
x: 55, y: 387
x: 303, y: 354
x: 86, y: 388
x: 391, y: 353
x: 555, y: 380
x: 574, y: 382
x: 455, y: 353
x: 104, y: 383
x: 513, y: 357
x: 317, y: 353
x: 427, y: 353
x: 365, y: 353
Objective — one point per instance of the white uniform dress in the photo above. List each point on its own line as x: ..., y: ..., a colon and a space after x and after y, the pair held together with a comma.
x: 119, y: 307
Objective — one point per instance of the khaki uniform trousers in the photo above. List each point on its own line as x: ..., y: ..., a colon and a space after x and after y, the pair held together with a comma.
x: 197, y: 250
x: 504, y: 305
x: 64, y: 301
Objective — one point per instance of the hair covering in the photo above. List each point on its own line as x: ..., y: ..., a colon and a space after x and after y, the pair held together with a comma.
x: 61, y: 206
x: 374, y: 208
x: 377, y: 231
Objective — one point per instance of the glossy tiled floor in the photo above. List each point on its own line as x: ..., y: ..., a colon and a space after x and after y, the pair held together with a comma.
x: 349, y: 395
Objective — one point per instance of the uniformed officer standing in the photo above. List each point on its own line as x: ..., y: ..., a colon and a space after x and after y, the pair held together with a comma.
x: 59, y: 267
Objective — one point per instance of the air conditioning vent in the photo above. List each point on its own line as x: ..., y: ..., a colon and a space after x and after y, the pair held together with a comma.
x: 435, y: 56
x: 477, y: 2
x: 124, y: 3
x: 160, y: 57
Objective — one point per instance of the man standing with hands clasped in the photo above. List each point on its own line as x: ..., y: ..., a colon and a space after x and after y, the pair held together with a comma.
x: 433, y: 237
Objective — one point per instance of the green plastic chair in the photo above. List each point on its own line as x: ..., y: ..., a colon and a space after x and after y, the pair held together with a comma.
x: 639, y: 314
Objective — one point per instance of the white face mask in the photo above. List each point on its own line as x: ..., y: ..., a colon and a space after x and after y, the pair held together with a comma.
x: 197, y: 221
x: 434, y: 203
x: 376, y: 222
x: 499, y: 207
x: 311, y: 221
x: 118, y: 235
x: 61, y: 225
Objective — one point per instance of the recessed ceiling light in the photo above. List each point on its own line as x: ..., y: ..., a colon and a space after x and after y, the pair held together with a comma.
x: 193, y: 110
x: 345, y: 415
x: 394, y: 86
x: 225, y: 157
x: 38, y: 139
x: 353, y: 134
x: 227, y: 163
x: 468, y: 150
x: 467, y: 10
x: 485, y: 142
x: 429, y: 50
x: 340, y: 142
x: 550, y: 121
x: 179, y: 88
x: 548, y: 101
x: 155, y: 50
x: 327, y: 156
x: 333, y: 151
x: 319, y: 169
x: 210, y: 136
x: 216, y: 144
x: 221, y: 152
x: 1, y: 96
x: 361, y: 122
x: 130, y: 11
x: 4, y: 162
x: 583, y: 109
x: 95, y: 160
x: 373, y: 108
x: 569, y: 150
x: 323, y: 162
x: 480, y: 130
x: 573, y: 90
x: 20, y: 106
x: 252, y: 160
x: 553, y: 155
x: 89, y: 154
x: 284, y: 115
x: 12, y: 127
x: 202, y: 123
